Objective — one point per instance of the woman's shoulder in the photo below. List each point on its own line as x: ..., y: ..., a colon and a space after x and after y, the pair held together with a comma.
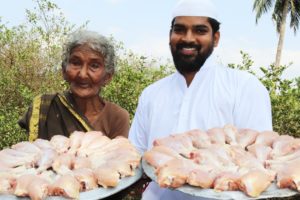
x: 115, y: 108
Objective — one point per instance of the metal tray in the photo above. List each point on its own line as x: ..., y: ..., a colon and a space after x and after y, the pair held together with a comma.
x: 95, y: 194
x: 272, y: 191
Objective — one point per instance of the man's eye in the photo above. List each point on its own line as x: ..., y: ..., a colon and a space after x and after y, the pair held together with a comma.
x: 178, y: 29
x: 201, y: 30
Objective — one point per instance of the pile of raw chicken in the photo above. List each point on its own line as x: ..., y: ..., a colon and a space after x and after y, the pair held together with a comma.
x: 66, y: 166
x: 227, y: 159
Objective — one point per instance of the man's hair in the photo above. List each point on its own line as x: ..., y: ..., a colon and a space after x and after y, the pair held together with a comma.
x: 213, y: 23
x: 96, y: 42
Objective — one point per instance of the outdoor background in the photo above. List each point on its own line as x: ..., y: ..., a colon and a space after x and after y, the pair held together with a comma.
x: 32, y: 32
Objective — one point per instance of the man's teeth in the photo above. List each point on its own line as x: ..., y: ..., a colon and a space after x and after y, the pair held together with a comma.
x: 188, y: 48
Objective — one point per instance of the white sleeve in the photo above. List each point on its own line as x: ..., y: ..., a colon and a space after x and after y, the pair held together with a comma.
x: 253, y: 107
x: 138, y: 132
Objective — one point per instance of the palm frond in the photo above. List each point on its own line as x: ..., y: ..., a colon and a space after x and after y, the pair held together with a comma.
x: 261, y: 7
x: 295, y: 14
x: 278, y: 13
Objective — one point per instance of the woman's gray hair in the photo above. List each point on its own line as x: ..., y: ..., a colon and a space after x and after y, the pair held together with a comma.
x: 94, y: 41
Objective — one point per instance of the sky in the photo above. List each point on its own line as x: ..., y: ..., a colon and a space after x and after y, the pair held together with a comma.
x: 143, y: 27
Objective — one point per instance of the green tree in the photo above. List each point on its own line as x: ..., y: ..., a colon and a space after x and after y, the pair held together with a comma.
x: 284, y: 94
x: 281, y: 10
x: 30, y: 57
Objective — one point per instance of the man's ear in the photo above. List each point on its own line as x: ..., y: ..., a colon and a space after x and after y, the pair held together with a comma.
x: 216, y: 38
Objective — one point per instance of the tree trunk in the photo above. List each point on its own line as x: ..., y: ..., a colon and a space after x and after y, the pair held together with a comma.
x: 281, y: 33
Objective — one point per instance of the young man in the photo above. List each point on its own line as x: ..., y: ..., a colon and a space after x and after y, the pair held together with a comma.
x: 201, y: 94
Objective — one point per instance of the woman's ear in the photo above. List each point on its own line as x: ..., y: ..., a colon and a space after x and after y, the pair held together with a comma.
x: 107, y: 79
x: 64, y: 73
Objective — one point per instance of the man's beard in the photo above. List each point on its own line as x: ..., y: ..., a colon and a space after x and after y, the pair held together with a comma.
x: 190, y: 63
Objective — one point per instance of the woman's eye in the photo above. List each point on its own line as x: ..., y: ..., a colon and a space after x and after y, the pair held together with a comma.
x: 75, y: 62
x: 95, y: 66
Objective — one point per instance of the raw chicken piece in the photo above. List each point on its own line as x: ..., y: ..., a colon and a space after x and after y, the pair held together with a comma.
x: 226, y: 181
x: 266, y: 138
x: 243, y: 158
x: 63, y: 163
x: 246, y: 137
x: 75, y: 141
x: 288, y: 157
x: 46, y: 159
x: 15, y: 171
x: 7, y: 180
x: 90, y: 137
x: 231, y: 133
x: 21, y: 188
x: 284, y: 145
x: 159, y: 155
x: 94, y: 145
x: 60, y: 143
x: 125, y: 155
x: 121, y: 166
x: 11, y: 158
x: 67, y: 186
x: 200, y: 178
x: 4, y: 167
x: 182, y: 145
x: 107, y: 177
x: 86, y: 178
x: 215, y: 155
x: 116, y: 143
x: 260, y: 151
x: 216, y: 135
x: 49, y: 176
x: 289, y: 175
x: 81, y: 162
x: 38, y: 188
x: 43, y: 144
x: 26, y: 147
x: 254, y: 183
x: 199, y: 138
x: 174, y: 173
x: 247, y: 162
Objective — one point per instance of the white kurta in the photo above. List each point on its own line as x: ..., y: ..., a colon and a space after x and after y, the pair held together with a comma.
x: 217, y: 96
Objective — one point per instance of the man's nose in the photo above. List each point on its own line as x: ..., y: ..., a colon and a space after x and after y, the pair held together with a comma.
x: 188, y: 36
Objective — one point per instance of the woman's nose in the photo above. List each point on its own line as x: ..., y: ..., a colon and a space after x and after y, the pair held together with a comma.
x: 83, y: 71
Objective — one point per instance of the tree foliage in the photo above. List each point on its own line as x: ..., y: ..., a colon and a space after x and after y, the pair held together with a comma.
x: 30, y: 56
x: 284, y: 94
x: 282, y: 8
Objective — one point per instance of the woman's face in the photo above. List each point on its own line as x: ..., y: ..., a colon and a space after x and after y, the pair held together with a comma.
x: 85, y: 72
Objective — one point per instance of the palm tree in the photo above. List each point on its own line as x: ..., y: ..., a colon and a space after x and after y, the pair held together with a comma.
x: 281, y: 9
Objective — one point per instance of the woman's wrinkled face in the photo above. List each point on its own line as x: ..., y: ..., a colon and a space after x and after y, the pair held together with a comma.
x: 85, y: 72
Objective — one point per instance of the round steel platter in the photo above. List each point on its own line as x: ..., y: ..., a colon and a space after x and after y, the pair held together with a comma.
x: 95, y: 194
x: 272, y: 191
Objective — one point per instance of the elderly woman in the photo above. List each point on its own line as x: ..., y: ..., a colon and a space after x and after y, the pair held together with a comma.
x: 88, y: 65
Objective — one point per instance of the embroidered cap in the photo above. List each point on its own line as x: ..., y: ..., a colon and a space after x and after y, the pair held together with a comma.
x: 203, y: 8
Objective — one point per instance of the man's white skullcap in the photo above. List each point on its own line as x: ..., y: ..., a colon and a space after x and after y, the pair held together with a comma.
x: 202, y: 8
